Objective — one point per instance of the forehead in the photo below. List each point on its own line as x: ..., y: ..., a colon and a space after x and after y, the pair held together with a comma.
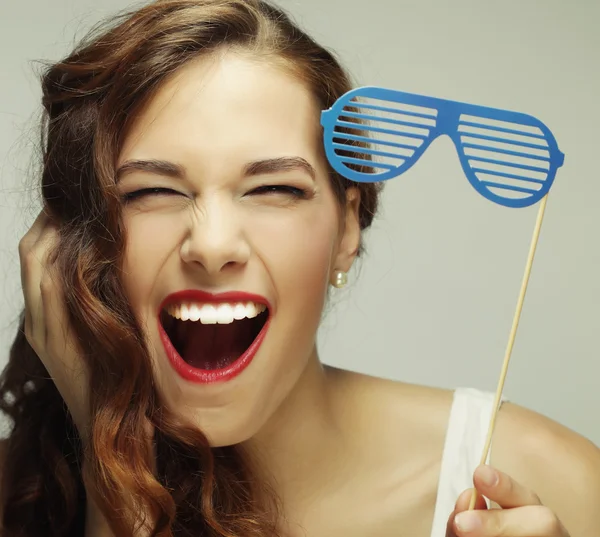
x: 227, y: 105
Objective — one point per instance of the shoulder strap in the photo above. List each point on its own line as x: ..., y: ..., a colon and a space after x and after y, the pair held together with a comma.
x: 465, y: 439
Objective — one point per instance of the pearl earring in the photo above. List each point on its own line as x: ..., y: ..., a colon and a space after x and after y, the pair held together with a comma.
x: 340, y: 279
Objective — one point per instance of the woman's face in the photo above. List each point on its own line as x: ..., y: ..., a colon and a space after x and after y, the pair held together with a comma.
x: 240, y: 202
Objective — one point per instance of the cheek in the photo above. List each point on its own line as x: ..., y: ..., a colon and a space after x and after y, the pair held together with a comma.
x: 297, y: 250
x: 150, y: 240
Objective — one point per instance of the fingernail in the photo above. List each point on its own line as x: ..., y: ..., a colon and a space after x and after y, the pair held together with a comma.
x: 489, y: 476
x: 467, y: 521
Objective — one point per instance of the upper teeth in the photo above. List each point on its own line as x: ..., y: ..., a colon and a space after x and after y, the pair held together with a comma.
x: 215, y: 313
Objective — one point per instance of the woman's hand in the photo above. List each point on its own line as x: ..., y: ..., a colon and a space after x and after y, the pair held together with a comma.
x: 46, y: 324
x: 521, y: 514
x: 49, y: 333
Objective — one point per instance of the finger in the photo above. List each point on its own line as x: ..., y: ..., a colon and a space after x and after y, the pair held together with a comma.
x: 57, y: 331
x: 32, y: 235
x: 530, y: 521
x: 26, y: 244
x: 462, y: 504
x: 60, y: 339
x: 67, y: 369
x: 503, y: 489
x: 35, y: 270
x: 450, y: 525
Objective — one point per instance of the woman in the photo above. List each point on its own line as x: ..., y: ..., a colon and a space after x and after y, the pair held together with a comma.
x: 165, y: 379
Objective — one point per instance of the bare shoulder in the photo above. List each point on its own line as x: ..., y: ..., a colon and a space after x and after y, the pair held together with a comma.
x: 402, y: 425
x: 561, y: 466
x: 398, y: 432
x: 420, y: 410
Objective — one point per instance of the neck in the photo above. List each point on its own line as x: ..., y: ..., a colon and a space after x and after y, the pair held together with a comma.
x: 298, y: 451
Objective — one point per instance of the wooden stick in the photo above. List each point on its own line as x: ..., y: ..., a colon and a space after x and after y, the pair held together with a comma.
x: 511, y: 339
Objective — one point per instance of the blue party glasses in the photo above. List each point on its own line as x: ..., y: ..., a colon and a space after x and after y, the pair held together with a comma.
x: 374, y: 134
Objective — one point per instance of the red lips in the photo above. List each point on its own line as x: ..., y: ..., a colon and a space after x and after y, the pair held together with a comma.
x: 202, y: 376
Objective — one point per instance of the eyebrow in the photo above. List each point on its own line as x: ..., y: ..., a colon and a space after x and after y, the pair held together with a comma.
x: 257, y: 167
x: 276, y: 165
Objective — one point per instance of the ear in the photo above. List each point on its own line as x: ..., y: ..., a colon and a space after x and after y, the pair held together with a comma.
x: 349, y: 241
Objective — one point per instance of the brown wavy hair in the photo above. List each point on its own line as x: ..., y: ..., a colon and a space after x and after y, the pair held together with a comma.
x: 185, y: 487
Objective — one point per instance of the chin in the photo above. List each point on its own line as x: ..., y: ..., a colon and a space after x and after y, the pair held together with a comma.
x: 222, y: 364
x: 223, y: 435
x: 232, y: 424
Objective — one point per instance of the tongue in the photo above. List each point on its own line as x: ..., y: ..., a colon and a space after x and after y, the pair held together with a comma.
x: 215, y: 346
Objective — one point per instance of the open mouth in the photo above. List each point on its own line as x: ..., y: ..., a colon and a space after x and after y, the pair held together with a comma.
x: 213, y: 337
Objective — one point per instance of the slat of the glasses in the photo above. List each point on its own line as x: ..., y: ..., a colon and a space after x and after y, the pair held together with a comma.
x: 502, y: 140
x: 501, y: 129
x: 506, y: 152
x: 509, y: 187
x: 368, y: 151
x: 510, y: 164
x: 366, y: 139
x: 361, y: 127
x: 509, y: 175
x: 385, y: 120
x: 506, y: 144
x: 369, y: 163
x: 392, y: 110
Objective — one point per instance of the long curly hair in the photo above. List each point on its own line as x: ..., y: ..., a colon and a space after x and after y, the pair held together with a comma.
x: 181, y: 485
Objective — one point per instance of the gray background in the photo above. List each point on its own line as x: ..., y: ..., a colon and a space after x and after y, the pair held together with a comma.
x: 434, y: 299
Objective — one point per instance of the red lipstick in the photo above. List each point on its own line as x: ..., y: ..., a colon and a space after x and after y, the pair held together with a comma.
x: 205, y: 376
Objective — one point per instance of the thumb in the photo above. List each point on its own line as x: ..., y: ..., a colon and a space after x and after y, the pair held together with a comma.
x: 462, y: 504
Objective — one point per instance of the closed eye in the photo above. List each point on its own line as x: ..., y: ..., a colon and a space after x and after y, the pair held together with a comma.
x: 289, y: 190
x: 154, y: 191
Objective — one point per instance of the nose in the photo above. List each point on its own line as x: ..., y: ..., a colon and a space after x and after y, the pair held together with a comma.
x: 215, y: 240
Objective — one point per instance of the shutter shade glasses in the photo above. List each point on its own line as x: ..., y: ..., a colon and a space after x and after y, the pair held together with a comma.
x: 374, y: 134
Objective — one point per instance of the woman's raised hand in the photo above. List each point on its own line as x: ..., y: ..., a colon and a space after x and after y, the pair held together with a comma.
x: 521, y: 515
x: 47, y: 327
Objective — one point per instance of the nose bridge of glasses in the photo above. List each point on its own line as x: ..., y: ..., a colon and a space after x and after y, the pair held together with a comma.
x: 448, y: 117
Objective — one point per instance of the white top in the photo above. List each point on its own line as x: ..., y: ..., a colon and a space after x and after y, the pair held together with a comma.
x: 465, y: 439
